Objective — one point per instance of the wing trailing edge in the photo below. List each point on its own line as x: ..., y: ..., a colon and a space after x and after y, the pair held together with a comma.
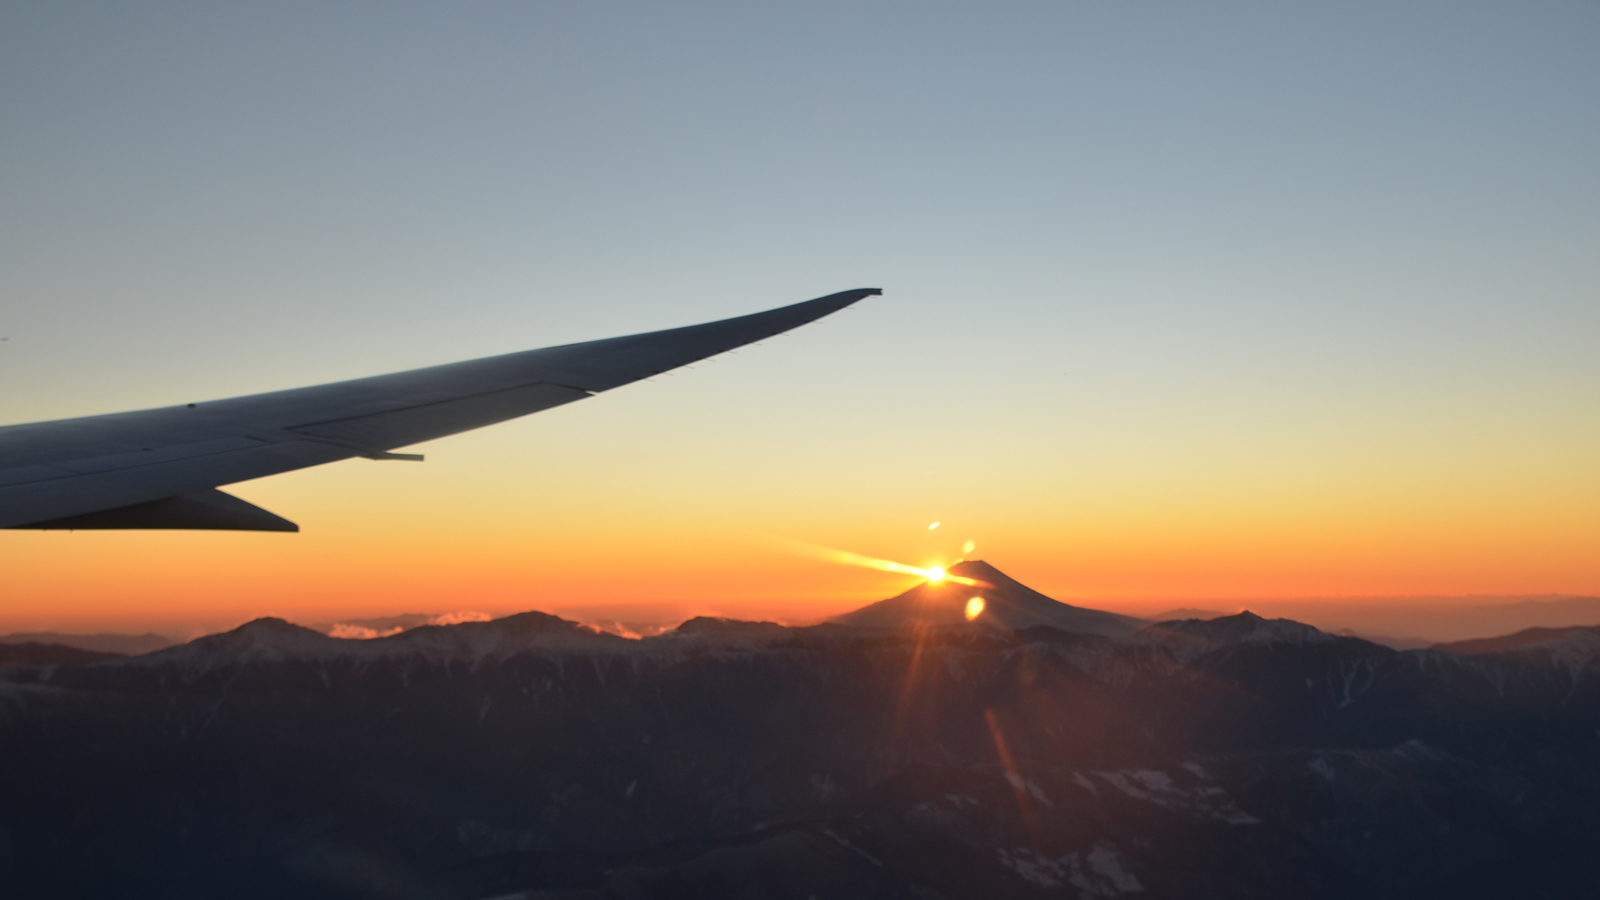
x: 208, y: 510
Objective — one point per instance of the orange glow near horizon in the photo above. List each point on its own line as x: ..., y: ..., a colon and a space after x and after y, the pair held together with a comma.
x: 1310, y: 398
x: 367, y: 557
x: 685, y: 530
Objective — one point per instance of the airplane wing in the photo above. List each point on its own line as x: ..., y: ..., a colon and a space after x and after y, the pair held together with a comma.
x: 159, y: 468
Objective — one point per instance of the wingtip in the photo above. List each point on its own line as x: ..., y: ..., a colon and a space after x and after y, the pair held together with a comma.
x: 845, y: 298
x: 818, y: 307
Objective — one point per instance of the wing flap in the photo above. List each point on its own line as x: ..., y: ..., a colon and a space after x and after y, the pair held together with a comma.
x: 45, y: 500
x: 210, y: 510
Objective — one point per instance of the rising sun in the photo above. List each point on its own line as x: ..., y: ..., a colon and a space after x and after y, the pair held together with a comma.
x: 934, y: 574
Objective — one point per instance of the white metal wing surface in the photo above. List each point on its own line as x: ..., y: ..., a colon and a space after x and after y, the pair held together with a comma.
x: 159, y: 468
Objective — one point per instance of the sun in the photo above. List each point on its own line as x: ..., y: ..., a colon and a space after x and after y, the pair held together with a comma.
x: 934, y: 574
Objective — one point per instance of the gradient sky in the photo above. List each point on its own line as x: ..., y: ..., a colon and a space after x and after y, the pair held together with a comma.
x: 1181, y: 300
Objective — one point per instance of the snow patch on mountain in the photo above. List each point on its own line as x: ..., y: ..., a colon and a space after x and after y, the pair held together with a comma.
x: 1190, y: 794
x: 1099, y: 873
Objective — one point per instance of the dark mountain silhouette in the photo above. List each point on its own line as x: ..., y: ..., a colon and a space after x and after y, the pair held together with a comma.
x: 1574, y: 652
x: 268, y: 641
x: 532, y: 757
x: 33, y: 654
x: 1192, y: 638
x: 1434, y: 619
x: 1008, y: 604
x: 1186, y: 612
x: 1237, y: 630
x: 127, y: 644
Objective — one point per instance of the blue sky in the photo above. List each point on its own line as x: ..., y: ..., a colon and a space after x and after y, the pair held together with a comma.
x: 1251, y: 246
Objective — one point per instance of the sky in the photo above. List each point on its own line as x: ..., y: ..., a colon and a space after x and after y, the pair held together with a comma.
x: 1181, y: 301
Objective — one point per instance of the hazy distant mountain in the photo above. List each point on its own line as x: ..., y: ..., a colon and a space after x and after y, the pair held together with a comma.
x: 1435, y: 619
x: 1512, y: 641
x: 1186, y: 612
x: 1007, y: 603
x: 34, y: 654
x: 126, y: 644
x: 532, y: 757
x: 1395, y: 643
x: 1584, y: 609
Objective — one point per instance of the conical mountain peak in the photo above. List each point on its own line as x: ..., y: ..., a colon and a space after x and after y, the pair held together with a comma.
x: 1007, y: 603
x: 978, y: 570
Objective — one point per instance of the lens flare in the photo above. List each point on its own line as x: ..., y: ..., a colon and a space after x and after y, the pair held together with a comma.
x: 974, y: 608
x: 933, y: 526
x: 934, y: 574
x: 969, y: 546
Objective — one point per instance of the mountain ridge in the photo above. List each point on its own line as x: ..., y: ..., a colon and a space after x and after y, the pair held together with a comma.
x: 1501, y: 643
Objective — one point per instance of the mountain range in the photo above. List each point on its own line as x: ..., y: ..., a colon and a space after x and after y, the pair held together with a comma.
x: 533, y: 757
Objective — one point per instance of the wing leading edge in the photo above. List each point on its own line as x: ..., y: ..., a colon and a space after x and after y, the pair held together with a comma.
x: 159, y: 468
